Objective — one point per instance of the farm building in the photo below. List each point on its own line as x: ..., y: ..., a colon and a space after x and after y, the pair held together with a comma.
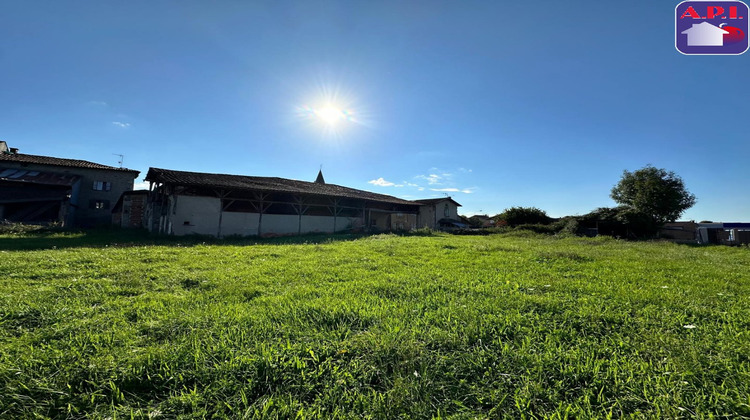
x: 43, y: 189
x: 723, y: 233
x: 129, y: 210
x: 684, y: 232
x: 707, y: 233
x: 438, y: 213
x: 183, y: 203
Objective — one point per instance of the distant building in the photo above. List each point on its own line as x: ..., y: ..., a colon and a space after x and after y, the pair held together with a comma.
x: 707, y: 233
x: 723, y: 233
x: 679, y: 232
x: 43, y: 189
x: 184, y: 203
x: 436, y: 213
x: 482, y: 220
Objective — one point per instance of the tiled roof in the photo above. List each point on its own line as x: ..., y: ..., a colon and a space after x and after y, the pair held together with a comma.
x: 48, y: 160
x: 436, y: 200
x: 256, y: 183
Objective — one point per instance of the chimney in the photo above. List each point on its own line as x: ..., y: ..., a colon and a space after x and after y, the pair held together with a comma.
x: 3, y: 147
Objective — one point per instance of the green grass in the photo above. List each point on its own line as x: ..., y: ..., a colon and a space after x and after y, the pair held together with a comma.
x: 95, y: 325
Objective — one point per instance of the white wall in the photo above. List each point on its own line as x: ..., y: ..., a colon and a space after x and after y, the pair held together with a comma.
x: 452, y: 210
x: 243, y: 224
x: 201, y: 214
x: 319, y: 224
x: 279, y: 224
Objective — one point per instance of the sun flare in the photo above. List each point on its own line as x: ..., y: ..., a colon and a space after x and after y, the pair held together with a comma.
x: 330, y: 114
x: 334, y: 112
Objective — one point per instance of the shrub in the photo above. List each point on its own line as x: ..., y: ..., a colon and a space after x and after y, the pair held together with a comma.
x: 14, y: 228
x: 515, y: 216
x: 539, y: 228
x: 615, y: 221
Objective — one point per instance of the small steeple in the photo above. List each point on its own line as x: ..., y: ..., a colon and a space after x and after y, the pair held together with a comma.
x: 319, y: 179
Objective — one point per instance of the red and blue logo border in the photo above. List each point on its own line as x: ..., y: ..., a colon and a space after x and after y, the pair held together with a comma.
x: 677, y: 33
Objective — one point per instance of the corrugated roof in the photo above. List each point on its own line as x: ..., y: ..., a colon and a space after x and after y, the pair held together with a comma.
x: 37, y: 177
x: 48, y: 160
x: 256, y: 183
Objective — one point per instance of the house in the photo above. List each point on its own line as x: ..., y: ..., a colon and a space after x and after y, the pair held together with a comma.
x: 184, y: 203
x: 43, y: 189
x: 437, y: 213
x: 705, y: 34
x: 482, y: 220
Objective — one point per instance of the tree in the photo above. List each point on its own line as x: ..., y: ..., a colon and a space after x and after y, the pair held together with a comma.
x: 515, y: 216
x: 656, y: 193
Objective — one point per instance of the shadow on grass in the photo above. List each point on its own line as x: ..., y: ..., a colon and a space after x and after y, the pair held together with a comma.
x: 44, y: 238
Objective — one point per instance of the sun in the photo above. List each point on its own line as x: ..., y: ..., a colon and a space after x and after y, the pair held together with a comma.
x: 336, y: 113
x: 330, y: 115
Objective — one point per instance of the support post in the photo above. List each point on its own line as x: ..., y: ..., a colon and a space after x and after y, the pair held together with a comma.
x: 301, y: 210
x: 335, y: 211
x: 221, y: 194
x: 261, y: 209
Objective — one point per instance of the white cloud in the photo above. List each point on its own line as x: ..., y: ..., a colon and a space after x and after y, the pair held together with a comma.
x: 121, y: 124
x: 380, y: 182
x: 409, y: 184
x: 97, y: 103
x: 464, y: 190
x: 432, y: 179
x: 141, y: 185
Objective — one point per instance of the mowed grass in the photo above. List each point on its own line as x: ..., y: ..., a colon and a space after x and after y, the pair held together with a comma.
x: 375, y: 327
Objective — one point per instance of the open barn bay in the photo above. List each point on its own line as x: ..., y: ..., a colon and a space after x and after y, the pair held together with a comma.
x: 382, y: 326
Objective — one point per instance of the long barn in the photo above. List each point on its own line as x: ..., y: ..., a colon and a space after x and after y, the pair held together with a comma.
x: 184, y: 203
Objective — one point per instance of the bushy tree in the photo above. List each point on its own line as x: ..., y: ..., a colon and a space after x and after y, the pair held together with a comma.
x: 515, y: 216
x: 620, y: 221
x: 656, y: 193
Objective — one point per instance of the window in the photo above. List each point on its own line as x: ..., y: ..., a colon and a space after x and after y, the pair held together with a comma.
x: 102, y: 186
x: 445, y: 210
x: 99, y: 204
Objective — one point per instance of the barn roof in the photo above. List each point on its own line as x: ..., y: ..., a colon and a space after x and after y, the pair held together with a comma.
x: 48, y: 160
x: 266, y: 184
x: 23, y: 176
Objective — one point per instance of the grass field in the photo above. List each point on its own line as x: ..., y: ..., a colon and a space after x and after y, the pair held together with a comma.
x: 383, y: 326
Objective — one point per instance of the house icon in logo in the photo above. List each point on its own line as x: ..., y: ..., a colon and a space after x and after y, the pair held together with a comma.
x: 705, y: 35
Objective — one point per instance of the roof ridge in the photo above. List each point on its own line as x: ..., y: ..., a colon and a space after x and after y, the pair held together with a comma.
x: 57, y: 161
x: 291, y: 185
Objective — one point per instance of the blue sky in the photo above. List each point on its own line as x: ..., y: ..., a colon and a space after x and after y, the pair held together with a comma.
x: 497, y: 104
